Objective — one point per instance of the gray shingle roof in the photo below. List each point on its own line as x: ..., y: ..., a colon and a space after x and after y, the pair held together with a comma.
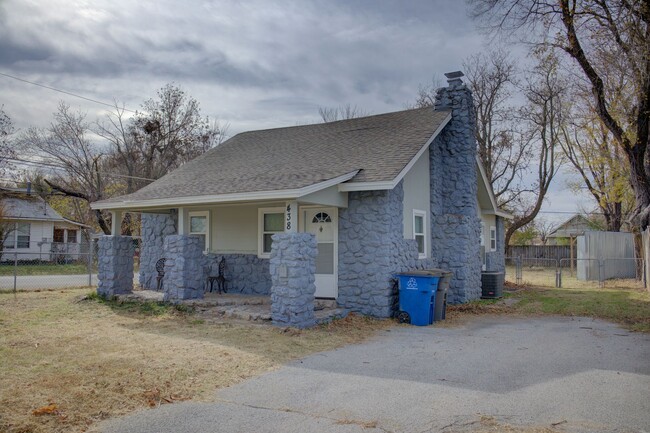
x: 295, y: 157
x: 28, y: 208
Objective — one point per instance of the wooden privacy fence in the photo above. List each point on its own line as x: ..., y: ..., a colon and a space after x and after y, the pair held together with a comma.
x: 545, y: 252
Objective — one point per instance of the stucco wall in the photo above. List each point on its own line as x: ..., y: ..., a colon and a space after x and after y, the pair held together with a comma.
x: 416, y: 194
x: 234, y: 229
x: 488, y: 221
x: 495, y: 260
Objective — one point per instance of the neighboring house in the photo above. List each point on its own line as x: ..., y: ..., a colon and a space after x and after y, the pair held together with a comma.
x: 380, y: 194
x: 35, y: 231
x: 575, y: 226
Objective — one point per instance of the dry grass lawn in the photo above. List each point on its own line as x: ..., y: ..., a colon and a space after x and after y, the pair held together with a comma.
x: 66, y: 363
x: 621, y: 302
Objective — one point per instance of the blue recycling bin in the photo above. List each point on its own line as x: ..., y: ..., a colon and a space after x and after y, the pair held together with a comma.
x: 417, y: 297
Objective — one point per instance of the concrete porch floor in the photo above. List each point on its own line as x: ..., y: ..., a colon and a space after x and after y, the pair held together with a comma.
x: 238, y: 306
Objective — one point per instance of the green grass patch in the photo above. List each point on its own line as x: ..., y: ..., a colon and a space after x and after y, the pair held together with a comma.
x: 628, y: 307
x: 146, y: 308
x: 7, y: 269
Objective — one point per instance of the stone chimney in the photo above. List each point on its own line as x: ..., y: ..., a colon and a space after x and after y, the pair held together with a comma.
x: 455, y: 221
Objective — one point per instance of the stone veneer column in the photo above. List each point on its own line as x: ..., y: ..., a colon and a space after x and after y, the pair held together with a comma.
x: 292, y: 267
x: 115, y: 265
x: 184, y: 277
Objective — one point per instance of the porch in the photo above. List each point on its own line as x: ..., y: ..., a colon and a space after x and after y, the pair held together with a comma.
x: 284, y: 251
x: 236, y: 306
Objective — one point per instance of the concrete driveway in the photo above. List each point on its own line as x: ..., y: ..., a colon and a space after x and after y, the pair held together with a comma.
x: 581, y: 374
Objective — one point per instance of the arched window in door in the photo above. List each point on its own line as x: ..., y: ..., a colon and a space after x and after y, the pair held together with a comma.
x: 321, y: 217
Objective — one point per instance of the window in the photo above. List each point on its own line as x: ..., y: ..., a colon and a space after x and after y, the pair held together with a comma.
x: 321, y: 217
x: 482, y: 233
x: 72, y: 236
x: 58, y: 236
x: 493, y: 238
x: 18, y: 236
x: 200, y: 226
x: 271, y: 221
x: 419, y: 232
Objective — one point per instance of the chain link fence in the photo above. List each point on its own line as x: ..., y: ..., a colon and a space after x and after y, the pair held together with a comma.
x: 604, y: 272
x: 48, y: 266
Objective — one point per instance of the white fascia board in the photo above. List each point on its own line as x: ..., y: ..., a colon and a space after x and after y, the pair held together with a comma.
x: 372, y: 186
x: 226, y: 198
x: 48, y: 220
x: 75, y: 223
x: 496, y: 211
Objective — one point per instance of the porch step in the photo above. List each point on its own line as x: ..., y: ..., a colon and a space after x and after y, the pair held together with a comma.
x: 321, y: 304
x: 229, y: 299
x: 328, y: 314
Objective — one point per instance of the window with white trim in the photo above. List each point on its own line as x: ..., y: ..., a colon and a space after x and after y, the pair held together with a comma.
x: 493, y: 238
x: 271, y: 221
x: 200, y: 226
x: 420, y: 232
x: 18, y: 236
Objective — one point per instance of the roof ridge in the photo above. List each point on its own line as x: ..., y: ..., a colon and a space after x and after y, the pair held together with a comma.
x: 338, y: 122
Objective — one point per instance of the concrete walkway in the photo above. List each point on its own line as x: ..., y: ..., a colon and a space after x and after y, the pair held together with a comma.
x: 583, y: 375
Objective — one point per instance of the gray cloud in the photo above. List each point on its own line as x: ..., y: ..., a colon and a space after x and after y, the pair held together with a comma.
x: 370, y: 53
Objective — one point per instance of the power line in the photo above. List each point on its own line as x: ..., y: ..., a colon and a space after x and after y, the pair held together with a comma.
x: 567, y: 212
x: 58, y: 167
x: 64, y: 91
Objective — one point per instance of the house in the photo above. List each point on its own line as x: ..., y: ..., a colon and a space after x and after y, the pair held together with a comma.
x: 32, y: 230
x: 331, y: 210
x: 574, y: 226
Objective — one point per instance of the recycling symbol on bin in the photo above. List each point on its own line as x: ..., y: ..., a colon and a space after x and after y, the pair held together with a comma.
x: 412, y: 284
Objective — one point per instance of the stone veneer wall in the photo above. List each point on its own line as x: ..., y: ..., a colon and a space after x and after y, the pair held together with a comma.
x: 183, y: 268
x: 245, y: 273
x: 496, y: 260
x: 372, y: 249
x: 154, y: 229
x: 455, y: 226
x: 293, y: 268
x: 115, y: 265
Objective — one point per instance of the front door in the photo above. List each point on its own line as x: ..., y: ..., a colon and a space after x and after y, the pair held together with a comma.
x: 323, y: 223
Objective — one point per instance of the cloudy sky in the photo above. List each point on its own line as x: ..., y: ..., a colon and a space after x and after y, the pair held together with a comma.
x: 253, y: 64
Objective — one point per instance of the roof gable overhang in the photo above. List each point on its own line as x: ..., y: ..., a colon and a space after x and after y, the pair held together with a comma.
x: 390, y: 184
x: 487, y: 201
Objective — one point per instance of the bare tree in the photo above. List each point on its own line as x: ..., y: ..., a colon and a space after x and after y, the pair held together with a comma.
x: 6, y: 131
x: 67, y: 145
x: 544, y: 228
x: 171, y: 131
x: 168, y: 132
x: 341, y: 112
x: 543, y: 116
x: 601, y: 37
x: 426, y: 96
x: 506, y: 152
